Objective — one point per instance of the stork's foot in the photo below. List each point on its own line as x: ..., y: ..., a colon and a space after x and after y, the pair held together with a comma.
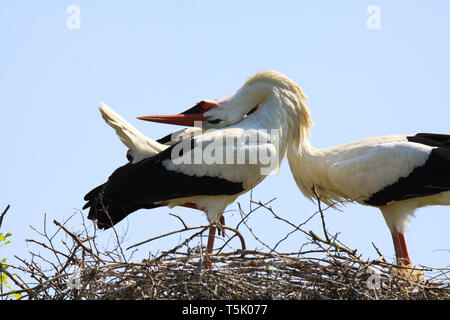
x: 211, y: 237
x: 220, y: 229
x: 416, y: 276
x: 409, y: 274
x: 408, y: 279
x: 208, y: 265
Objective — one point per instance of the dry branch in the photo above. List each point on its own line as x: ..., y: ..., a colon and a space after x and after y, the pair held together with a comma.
x: 3, y: 214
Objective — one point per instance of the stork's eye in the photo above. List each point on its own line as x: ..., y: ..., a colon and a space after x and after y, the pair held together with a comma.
x: 215, y: 121
x: 252, y: 110
x: 129, y: 156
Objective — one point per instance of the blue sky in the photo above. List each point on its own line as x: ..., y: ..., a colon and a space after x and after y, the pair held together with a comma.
x: 148, y: 57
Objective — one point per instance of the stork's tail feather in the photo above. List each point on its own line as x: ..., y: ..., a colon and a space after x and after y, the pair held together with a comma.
x: 98, y: 208
x: 129, y: 135
x: 105, y: 211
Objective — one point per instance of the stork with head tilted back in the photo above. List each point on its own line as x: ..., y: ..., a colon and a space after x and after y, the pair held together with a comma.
x: 156, y: 177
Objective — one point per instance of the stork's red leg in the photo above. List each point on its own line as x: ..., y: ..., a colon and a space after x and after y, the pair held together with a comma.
x: 210, y: 247
x: 211, y: 237
x: 401, y: 251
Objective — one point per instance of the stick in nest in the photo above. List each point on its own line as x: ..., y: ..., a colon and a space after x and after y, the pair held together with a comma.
x: 241, y: 238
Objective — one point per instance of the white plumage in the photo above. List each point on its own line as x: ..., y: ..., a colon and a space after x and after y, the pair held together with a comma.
x: 359, y: 170
x: 139, y: 146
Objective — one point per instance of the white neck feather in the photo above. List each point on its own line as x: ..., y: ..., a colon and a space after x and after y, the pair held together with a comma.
x: 281, y: 99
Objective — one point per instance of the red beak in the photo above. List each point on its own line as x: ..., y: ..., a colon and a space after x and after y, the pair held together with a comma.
x: 190, y: 116
x: 179, y: 119
x: 186, y: 118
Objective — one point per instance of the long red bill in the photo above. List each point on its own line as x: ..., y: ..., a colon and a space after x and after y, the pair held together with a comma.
x: 190, y: 116
x: 186, y: 118
x: 178, y: 119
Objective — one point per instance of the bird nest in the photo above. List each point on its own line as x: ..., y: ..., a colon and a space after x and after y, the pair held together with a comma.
x: 70, y: 265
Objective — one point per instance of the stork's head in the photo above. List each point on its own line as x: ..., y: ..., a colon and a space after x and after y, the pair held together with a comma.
x: 262, y: 91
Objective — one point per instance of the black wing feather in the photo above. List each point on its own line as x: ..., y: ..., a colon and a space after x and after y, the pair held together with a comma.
x: 431, y: 139
x: 138, y: 186
x: 431, y: 178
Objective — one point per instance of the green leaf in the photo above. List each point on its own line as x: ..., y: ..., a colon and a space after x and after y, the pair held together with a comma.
x: 3, y: 278
x: 2, y: 238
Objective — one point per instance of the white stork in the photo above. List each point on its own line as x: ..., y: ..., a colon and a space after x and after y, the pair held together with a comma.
x: 395, y: 173
x: 158, y: 175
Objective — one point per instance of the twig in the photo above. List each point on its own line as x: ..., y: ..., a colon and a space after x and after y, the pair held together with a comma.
x: 188, y: 229
x: 77, y: 240
x: 315, y: 237
x: 244, y: 217
x: 321, y: 213
x: 174, y: 215
x: 379, y: 253
x: 3, y: 214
